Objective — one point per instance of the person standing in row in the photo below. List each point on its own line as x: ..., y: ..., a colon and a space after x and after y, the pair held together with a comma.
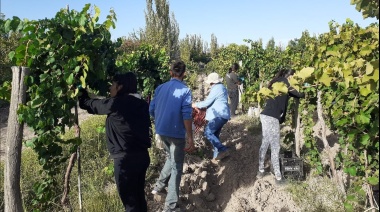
x: 172, y: 113
x: 271, y: 117
x: 217, y: 114
x: 233, y: 87
x: 128, y: 137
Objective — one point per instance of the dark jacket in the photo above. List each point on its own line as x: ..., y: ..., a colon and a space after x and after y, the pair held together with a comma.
x: 276, y: 107
x: 127, y: 124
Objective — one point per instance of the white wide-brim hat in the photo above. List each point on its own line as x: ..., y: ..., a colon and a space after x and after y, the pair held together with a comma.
x: 213, y: 78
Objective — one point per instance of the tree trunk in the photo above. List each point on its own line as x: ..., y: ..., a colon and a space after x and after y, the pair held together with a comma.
x: 323, y: 135
x: 13, y: 143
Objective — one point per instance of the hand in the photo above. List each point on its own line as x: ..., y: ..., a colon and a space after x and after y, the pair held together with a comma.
x: 83, y: 93
x: 195, y: 107
x: 190, y: 146
x: 82, y: 97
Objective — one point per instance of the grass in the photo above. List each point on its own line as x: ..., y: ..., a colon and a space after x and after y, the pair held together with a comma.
x: 98, y: 189
x: 320, y: 194
x: 252, y: 124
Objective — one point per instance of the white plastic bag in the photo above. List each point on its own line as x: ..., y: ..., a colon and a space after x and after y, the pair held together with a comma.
x: 253, y: 112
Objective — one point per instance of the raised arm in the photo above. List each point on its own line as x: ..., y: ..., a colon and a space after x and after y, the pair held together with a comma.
x: 95, y: 106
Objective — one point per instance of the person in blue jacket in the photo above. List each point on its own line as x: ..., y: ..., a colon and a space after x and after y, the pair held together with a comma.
x: 128, y: 137
x: 271, y: 117
x: 172, y: 113
x: 217, y: 114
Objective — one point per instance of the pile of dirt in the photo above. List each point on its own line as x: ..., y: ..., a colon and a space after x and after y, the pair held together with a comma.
x: 230, y: 185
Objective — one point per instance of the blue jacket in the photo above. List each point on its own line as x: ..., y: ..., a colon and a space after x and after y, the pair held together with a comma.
x: 216, y: 103
x: 170, y: 106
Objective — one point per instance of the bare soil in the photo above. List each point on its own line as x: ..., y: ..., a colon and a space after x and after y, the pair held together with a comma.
x: 230, y: 185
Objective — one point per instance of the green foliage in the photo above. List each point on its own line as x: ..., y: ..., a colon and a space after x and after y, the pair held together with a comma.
x: 192, y: 79
x: 5, y: 91
x: 259, y: 65
x: 369, y: 8
x: 9, y: 40
x: 149, y: 63
x: 344, y: 65
x: 225, y: 57
x: 348, y: 72
x: 127, y: 46
x: 64, y: 52
x: 68, y: 50
x: 192, y: 50
x: 161, y: 29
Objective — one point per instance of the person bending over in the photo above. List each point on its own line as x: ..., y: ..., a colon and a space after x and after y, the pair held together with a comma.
x: 271, y: 117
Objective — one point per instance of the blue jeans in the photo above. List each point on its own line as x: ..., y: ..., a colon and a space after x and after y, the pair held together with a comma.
x: 212, y: 132
x: 172, y: 170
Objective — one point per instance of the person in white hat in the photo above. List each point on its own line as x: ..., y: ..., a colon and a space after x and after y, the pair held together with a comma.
x: 217, y: 114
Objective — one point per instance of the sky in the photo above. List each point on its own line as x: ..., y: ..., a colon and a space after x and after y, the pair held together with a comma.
x: 231, y: 21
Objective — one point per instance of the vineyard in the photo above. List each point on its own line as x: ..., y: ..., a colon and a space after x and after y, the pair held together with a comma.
x: 334, y: 129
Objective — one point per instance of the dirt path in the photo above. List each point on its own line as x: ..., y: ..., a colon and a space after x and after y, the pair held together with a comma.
x: 230, y: 185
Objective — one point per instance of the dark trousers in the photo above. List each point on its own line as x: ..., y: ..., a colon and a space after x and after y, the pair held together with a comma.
x: 130, y: 173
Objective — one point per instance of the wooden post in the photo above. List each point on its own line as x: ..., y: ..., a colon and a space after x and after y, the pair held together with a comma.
x: 297, y: 133
x: 77, y: 134
x: 13, y: 143
x: 75, y: 156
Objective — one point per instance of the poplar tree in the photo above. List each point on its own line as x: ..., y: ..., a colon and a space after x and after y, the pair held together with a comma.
x: 213, y: 46
x: 161, y: 29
